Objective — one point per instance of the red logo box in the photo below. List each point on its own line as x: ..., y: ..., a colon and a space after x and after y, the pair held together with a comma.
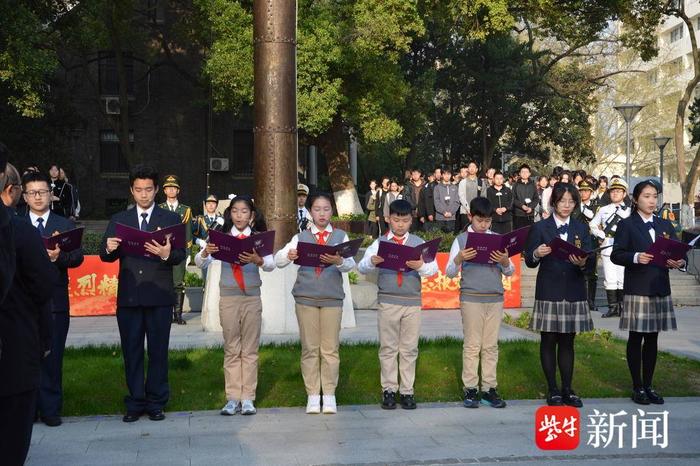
x: 557, y: 428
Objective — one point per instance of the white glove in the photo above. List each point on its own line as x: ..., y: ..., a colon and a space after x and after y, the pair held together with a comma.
x: 201, y: 243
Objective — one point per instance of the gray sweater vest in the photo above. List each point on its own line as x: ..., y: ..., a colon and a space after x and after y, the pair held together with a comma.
x: 480, y: 283
x: 326, y: 289
x: 408, y: 294
x: 251, y: 278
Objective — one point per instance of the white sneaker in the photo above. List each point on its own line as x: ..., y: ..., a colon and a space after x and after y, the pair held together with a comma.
x: 313, y: 404
x: 329, y: 406
x: 232, y: 407
x: 247, y: 407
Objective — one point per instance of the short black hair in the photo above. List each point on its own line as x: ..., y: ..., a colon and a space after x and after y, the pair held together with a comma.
x: 472, y: 161
x: 446, y: 170
x: 602, y: 178
x: 560, y: 189
x: 637, y: 191
x: 524, y: 166
x: 498, y: 172
x: 400, y: 207
x: 481, y: 207
x: 416, y: 169
x: 32, y: 177
x: 143, y: 172
x: 318, y: 195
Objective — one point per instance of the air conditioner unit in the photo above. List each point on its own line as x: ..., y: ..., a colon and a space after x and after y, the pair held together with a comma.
x: 112, y: 106
x: 218, y: 164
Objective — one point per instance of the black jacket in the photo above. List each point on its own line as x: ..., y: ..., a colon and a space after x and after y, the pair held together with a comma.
x: 426, y: 203
x: 632, y: 236
x: 522, y: 192
x: 24, y: 330
x: 142, y: 281
x: 504, y: 200
x: 558, y: 280
x: 7, y: 251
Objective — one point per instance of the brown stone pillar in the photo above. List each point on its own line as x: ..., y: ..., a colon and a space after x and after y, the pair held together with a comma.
x: 275, y: 130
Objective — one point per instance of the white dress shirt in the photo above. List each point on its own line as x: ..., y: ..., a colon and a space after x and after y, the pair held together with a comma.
x: 652, y: 233
x: 140, y: 211
x: 281, y: 259
x: 428, y: 269
x: 33, y: 217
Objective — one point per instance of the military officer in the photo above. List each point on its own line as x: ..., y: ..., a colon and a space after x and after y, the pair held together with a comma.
x: 585, y: 213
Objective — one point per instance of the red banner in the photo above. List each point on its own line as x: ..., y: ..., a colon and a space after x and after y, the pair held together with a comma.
x: 92, y: 288
x: 442, y: 292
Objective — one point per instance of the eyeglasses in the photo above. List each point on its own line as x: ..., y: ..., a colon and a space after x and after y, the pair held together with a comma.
x: 37, y: 193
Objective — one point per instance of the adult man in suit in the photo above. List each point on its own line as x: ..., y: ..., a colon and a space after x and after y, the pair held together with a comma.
x: 7, y: 243
x: 145, y: 298
x: 171, y: 188
x: 37, y: 194
x: 23, y: 331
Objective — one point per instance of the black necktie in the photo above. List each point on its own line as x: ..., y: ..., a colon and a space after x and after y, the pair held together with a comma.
x: 650, y: 225
x: 564, y: 229
x: 144, y: 223
x: 40, y: 226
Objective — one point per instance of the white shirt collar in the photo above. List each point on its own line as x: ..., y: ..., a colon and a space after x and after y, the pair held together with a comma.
x: 172, y: 206
x: 33, y: 217
x: 315, y: 230
x: 391, y: 235
x: 236, y: 232
x: 149, y: 211
x: 559, y: 222
x: 645, y: 219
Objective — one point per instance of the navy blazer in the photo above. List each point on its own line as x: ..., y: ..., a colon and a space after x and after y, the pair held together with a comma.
x: 632, y: 236
x: 142, y: 281
x: 65, y: 261
x: 23, y: 323
x: 7, y: 251
x: 558, y: 280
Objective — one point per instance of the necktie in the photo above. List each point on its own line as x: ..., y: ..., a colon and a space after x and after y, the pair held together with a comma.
x: 144, y: 223
x: 238, y: 270
x: 172, y: 207
x: 321, y: 238
x: 650, y: 225
x: 301, y: 214
x: 399, y: 275
x: 564, y: 229
x: 40, y: 226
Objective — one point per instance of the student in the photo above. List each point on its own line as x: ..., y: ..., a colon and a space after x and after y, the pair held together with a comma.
x: 412, y: 193
x: 560, y: 311
x: 470, y: 186
x: 379, y: 205
x: 446, y: 198
x: 426, y: 210
x: 371, y: 205
x: 399, y: 315
x: 393, y: 194
x: 318, y: 293
x: 481, y: 304
x: 501, y: 198
x: 525, y: 199
x: 240, y: 308
x: 604, y: 227
x: 647, y: 308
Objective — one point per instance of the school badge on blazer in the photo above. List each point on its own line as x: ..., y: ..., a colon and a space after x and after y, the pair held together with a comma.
x: 577, y: 241
x: 666, y: 235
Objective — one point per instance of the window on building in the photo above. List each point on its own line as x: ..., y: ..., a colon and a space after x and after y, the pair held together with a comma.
x: 107, y: 69
x: 112, y: 160
x: 242, y: 159
x: 677, y: 33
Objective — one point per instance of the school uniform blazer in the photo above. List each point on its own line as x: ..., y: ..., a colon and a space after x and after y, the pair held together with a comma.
x: 558, y: 280
x: 632, y: 237
x: 65, y: 261
x: 142, y: 281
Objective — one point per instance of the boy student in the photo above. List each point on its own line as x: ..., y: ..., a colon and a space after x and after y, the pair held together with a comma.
x: 446, y: 200
x: 399, y: 317
x: 525, y: 199
x: 481, y: 303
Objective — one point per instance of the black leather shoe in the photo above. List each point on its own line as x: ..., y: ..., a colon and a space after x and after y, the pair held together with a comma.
x: 571, y: 399
x: 156, y: 415
x: 52, y: 421
x: 640, y: 397
x: 554, y: 398
x: 132, y: 416
x: 611, y: 313
x: 654, y: 397
x: 388, y: 400
x: 408, y: 402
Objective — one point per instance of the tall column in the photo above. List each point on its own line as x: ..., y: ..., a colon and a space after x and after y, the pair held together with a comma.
x: 353, y: 159
x: 275, y: 116
x: 313, y: 166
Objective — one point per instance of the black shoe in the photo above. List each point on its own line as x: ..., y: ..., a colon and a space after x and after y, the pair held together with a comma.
x: 388, y: 400
x: 132, y: 416
x: 639, y: 396
x: 654, y: 397
x: 492, y: 398
x: 571, y: 399
x: 554, y: 398
x: 611, y: 313
x: 156, y: 415
x: 52, y: 421
x: 471, y: 398
x: 408, y: 402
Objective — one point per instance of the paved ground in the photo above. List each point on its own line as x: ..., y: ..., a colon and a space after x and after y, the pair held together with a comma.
x: 440, y: 433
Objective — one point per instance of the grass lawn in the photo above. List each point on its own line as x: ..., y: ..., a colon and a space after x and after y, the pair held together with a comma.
x: 94, y: 377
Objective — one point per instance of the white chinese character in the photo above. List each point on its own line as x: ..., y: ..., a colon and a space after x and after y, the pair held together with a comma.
x: 603, y: 427
x: 647, y: 428
x: 569, y: 426
x: 551, y: 425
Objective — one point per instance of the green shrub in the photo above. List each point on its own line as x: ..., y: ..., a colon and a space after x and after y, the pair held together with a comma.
x: 446, y: 238
x: 193, y: 280
x: 349, y: 218
x: 91, y: 243
x: 366, y: 239
x: 353, y: 277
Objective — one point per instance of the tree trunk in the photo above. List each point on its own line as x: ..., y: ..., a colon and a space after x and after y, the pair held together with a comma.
x: 334, y: 144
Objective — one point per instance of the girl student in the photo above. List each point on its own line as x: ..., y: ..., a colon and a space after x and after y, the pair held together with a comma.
x: 318, y: 294
x: 647, y: 308
x: 240, y: 306
x: 561, y: 309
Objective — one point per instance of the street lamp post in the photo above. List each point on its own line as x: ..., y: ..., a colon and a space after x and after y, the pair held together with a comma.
x: 661, y: 142
x: 628, y: 112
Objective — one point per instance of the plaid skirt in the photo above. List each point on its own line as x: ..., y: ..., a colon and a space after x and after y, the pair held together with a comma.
x: 561, y: 317
x: 647, y: 314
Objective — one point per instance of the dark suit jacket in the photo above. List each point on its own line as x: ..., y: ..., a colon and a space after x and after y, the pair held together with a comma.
x: 65, y: 261
x: 633, y: 236
x: 22, y: 326
x: 506, y: 200
x: 143, y: 281
x: 7, y: 251
x: 426, y: 203
x: 558, y: 280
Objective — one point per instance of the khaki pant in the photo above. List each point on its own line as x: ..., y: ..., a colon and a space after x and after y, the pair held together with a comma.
x: 399, y: 330
x: 241, y: 318
x: 481, y: 323
x: 319, y: 331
